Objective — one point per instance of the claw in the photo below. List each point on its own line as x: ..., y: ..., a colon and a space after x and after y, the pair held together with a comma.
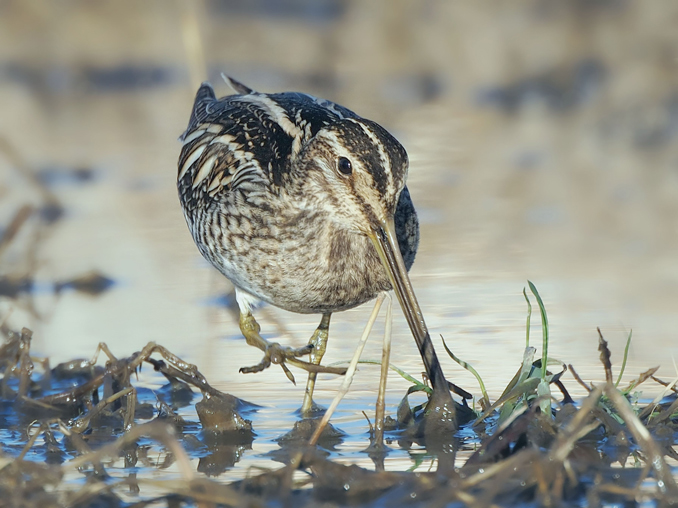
x: 288, y: 373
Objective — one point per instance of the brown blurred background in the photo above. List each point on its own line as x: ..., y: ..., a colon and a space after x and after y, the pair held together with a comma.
x: 543, y: 139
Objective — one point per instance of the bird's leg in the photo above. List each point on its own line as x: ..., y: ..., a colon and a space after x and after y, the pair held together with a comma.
x: 319, y: 342
x: 277, y: 354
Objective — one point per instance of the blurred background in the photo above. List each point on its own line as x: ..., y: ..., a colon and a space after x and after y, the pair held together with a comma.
x: 543, y: 140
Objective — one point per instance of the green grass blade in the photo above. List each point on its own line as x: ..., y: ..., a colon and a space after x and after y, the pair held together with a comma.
x: 529, y: 316
x: 626, y: 355
x: 470, y: 368
x: 418, y: 461
x: 544, y: 329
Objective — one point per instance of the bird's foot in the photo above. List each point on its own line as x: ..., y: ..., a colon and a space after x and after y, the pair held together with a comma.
x: 275, y: 353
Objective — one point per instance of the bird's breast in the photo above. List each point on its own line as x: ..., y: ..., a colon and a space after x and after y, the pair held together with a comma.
x: 301, y: 263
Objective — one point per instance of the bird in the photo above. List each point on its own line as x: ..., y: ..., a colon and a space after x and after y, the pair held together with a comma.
x: 303, y: 204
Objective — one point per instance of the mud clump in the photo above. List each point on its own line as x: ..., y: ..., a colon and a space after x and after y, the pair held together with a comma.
x: 218, y: 414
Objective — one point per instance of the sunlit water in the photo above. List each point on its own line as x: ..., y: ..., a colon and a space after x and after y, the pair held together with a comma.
x: 503, y: 197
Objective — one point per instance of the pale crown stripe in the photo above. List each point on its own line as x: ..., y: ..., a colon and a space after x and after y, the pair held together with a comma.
x: 385, y: 161
x: 296, y: 146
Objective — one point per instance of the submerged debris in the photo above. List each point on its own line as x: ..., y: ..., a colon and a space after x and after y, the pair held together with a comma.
x: 218, y: 413
x: 91, y: 283
x: 86, y: 417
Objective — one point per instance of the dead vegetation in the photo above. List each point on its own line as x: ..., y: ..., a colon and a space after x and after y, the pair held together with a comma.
x: 601, y: 451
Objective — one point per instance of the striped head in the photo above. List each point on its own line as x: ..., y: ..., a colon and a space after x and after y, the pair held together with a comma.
x: 354, y: 170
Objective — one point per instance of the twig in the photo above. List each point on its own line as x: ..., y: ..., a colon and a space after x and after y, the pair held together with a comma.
x: 577, y: 378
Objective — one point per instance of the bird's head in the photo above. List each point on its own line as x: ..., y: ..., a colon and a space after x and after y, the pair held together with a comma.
x: 355, y: 171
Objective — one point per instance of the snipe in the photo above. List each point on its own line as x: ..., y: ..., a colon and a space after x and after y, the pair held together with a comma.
x: 301, y: 203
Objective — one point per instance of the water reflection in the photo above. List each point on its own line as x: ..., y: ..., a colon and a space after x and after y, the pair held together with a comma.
x: 552, y: 159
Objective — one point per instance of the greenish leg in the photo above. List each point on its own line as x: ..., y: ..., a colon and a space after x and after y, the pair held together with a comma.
x: 319, y: 342
x: 273, y: 352
x: 250, y: 329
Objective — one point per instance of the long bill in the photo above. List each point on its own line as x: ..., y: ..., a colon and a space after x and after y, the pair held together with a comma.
x: 384, y: 239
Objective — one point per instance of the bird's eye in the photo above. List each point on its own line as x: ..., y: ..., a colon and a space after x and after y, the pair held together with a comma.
x: 344, y: 166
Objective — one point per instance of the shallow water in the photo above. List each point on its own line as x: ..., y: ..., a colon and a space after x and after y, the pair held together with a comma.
x: 554, y: 162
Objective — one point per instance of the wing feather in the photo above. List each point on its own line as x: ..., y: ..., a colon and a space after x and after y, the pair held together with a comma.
x: 246, y: 142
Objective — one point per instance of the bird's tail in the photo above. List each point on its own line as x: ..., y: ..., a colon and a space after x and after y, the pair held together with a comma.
x: 203, y: 98
x: 236, y: 85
